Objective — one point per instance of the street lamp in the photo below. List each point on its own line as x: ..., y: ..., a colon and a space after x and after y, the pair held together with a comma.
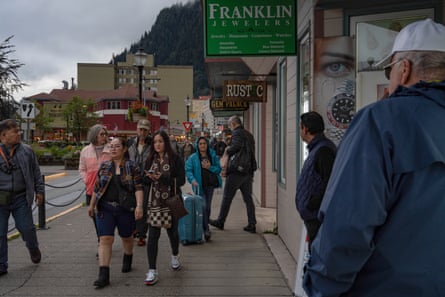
x: 203, y: 117
x: 139, y: 61
x: 188, y: 102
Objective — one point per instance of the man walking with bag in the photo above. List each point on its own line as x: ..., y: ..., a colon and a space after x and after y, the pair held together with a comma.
x: 239, y: 174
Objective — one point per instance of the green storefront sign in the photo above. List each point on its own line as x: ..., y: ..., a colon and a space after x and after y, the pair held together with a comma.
x: 250, y: 28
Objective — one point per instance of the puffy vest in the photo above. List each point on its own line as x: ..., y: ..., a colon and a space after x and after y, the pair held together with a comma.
x: 310, y: 182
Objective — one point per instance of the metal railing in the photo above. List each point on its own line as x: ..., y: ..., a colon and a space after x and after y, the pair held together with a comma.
x: 42, y: 207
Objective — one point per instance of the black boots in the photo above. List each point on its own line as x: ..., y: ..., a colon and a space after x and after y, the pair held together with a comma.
x: 126, y: 263
x: 104, y: 277
x: 104, y: 272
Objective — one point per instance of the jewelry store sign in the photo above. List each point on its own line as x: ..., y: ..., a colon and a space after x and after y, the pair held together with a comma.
x: 245, y: 90
x: 227, y: 108
x: 250, y: 28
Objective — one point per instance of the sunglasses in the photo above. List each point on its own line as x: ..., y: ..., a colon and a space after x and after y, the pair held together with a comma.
x: 103, y: 134
x: 388, y: 68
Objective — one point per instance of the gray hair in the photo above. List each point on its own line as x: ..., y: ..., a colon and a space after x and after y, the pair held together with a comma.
x: 427, y: 65
x: 235, y: 119
x: 93, y: 132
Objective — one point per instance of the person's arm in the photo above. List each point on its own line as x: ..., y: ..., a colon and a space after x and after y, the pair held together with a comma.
x: 93, y: 202
x: 353, y: 207
x: 237, y: 142
x: 82, y: 165
x: 39, y: 184
x: 139, y: 209
x: 92, y: 205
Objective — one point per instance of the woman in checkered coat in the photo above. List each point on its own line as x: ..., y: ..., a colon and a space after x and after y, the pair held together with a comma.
x: 165, y: 172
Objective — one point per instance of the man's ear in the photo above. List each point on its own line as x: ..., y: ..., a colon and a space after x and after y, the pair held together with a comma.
x: 407, y: 72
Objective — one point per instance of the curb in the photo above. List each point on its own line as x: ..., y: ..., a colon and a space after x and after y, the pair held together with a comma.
x: 56, y: 175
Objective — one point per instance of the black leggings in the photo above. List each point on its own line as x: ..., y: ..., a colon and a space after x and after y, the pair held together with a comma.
x: 153, y: 238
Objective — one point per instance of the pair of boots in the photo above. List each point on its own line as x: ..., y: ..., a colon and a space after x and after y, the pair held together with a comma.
x: 104, y: 272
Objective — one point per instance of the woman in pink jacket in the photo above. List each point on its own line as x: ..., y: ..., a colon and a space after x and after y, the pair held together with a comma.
x: 91, y: 156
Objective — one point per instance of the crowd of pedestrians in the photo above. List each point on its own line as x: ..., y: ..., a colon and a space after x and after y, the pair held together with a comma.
x: 126, y: 182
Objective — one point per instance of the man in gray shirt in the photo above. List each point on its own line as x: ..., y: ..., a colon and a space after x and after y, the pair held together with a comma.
x: 20, y: 179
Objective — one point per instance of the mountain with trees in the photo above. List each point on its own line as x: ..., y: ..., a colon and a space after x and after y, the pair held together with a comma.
x: 176, y: 38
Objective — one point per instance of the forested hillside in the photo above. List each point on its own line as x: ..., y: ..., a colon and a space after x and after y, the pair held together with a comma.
x: 176, y: 38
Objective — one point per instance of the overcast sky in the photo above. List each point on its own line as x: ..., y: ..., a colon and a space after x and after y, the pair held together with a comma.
x: 52, y: 36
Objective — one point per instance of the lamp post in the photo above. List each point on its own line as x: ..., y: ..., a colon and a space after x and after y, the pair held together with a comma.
x: 203, y: 117
x: 139, y: 61
x: 188, y: 102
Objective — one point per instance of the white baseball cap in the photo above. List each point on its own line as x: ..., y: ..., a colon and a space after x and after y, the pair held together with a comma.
x: 425, y: 35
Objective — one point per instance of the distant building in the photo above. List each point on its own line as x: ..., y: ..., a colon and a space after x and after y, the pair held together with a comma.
x: 111, y: 107
x: 174, y: 81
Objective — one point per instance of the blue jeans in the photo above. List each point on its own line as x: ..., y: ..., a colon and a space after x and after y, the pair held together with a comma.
x: 24, y: 223
x: 207, y: 206
x: 243, y: 182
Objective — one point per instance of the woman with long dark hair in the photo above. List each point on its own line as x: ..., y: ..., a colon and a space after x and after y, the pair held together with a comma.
x: 164, y: 171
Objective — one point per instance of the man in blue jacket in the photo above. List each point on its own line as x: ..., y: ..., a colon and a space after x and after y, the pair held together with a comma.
x: 382, y: 215
x: 316, y: 170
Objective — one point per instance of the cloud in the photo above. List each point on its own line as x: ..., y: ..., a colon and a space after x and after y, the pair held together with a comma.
x: 52, y: 36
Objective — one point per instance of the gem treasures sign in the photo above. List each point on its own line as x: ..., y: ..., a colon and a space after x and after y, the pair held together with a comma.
x: 244, y: 90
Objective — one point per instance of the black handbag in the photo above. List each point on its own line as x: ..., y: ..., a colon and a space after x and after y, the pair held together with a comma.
x: 240, y: 161
x: 176, y: 205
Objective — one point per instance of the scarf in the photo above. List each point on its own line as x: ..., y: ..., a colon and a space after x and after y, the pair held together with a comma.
x: 160, y: 191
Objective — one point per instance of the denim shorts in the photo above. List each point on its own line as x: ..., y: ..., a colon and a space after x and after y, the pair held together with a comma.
x: 109, y: 217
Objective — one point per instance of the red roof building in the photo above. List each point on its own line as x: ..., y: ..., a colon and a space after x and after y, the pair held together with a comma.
x: 111, y: 107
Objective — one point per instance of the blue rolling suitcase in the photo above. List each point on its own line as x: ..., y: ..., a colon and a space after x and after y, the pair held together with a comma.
x: 190, y: 226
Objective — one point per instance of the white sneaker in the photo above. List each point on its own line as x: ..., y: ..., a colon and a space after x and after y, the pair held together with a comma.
x: 176, y: 265
x: 152, y: 277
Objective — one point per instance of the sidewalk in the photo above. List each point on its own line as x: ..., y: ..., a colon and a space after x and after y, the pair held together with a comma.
x: 234, y: 263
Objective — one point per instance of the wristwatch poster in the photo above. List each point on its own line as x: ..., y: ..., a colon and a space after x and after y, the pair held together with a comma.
x: 340, y: 111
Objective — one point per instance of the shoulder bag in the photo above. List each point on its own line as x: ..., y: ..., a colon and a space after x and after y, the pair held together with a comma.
x: 240, y: 161
x: 176, y: 205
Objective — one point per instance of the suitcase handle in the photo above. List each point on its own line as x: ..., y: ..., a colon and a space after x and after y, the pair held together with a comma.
x: 197, y: 190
